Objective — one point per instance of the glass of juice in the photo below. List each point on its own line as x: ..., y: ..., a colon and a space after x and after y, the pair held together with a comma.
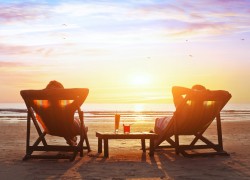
x: 126, y: 129
x: 117, y: 122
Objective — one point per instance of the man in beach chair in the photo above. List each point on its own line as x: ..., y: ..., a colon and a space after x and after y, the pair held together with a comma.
x: 52, y: 112
x: 196, y: 109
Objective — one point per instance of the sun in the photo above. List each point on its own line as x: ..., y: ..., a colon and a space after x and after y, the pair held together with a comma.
x: 141, y: 79
x: 138, y: 107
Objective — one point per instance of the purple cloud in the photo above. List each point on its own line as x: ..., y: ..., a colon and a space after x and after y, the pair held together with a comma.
x: 22, y: 12
x: 206, y: 17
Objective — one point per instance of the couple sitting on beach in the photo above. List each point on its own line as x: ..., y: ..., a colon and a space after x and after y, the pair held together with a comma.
x: 160, y: 123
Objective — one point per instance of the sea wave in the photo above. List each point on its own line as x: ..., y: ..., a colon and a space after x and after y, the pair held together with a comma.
x: 21, y: 114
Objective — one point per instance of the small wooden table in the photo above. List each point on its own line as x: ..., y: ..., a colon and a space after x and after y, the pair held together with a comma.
x: 144, y: 135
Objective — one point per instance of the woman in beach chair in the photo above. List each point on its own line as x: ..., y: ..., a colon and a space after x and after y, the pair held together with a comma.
x: 75, y: 126
x: 196, y: 108
x: 54, y: 108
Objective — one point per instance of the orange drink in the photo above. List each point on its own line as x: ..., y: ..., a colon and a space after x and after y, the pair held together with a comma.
x: 117, y: 122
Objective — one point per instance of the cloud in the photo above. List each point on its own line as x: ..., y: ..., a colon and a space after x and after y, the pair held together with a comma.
x: 22, y: 12
x: 204, y: 18
x: 14, y: 50
x: 53, y: 51
x: 201, y: 29
x: 18, y: 50
x: 99, y: 22
x: 10, y: 64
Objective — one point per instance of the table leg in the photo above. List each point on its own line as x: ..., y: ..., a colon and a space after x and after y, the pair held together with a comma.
x: 151, y: 147
x: 143, y: 145
x: 106, y: 148
x: 99, y: 145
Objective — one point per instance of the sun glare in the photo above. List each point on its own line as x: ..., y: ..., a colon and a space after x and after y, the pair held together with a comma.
x: 138, y: 107
x: 141, y: 79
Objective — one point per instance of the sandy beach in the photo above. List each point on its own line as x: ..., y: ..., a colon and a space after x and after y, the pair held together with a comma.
x: 126, y: 160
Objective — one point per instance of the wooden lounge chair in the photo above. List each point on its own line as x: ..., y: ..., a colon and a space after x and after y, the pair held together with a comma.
x: 55, y: 120
x: 192, y: 117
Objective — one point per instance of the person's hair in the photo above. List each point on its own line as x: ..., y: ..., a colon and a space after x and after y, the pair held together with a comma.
x: 198, y: 87
x: 54, y: 85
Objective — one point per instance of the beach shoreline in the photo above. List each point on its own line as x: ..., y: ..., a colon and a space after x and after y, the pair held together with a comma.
x: 126, y: 160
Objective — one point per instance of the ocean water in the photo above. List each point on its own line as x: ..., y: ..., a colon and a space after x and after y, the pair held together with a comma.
x: 129, y: 112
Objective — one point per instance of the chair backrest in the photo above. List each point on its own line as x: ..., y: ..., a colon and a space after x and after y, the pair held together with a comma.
x: 55, y: 108
x: 197, y: 111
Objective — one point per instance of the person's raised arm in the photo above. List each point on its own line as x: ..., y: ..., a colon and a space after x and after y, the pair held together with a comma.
x: 179, y: 93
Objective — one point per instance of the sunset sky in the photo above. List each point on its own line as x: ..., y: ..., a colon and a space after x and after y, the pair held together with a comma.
x: 125, y: 51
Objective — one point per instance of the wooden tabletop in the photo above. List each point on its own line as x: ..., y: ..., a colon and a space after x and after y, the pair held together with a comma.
x: 135, y: 135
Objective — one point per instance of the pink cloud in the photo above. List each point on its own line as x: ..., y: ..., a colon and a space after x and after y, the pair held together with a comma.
x: 50, y: 50
x: 204, y: 26
x: 25, y: 50
x: 21, y: 12
x: 10, y: 64
x: 13, y: 50
x: 206, y: 18
x: 196, y: 29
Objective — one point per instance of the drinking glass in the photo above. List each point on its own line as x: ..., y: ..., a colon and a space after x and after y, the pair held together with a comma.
x: 117, y: 122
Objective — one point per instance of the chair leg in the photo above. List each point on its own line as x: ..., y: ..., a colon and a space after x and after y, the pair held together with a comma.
x: 83, y: 129
x: 81, y: 147
x: 87, y: 143
x: 177, y: 150
x: 73, y: 155
x: 26, y: 157
x: 81, y: 151
x: 219, y: 132
x: 27, y: 138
